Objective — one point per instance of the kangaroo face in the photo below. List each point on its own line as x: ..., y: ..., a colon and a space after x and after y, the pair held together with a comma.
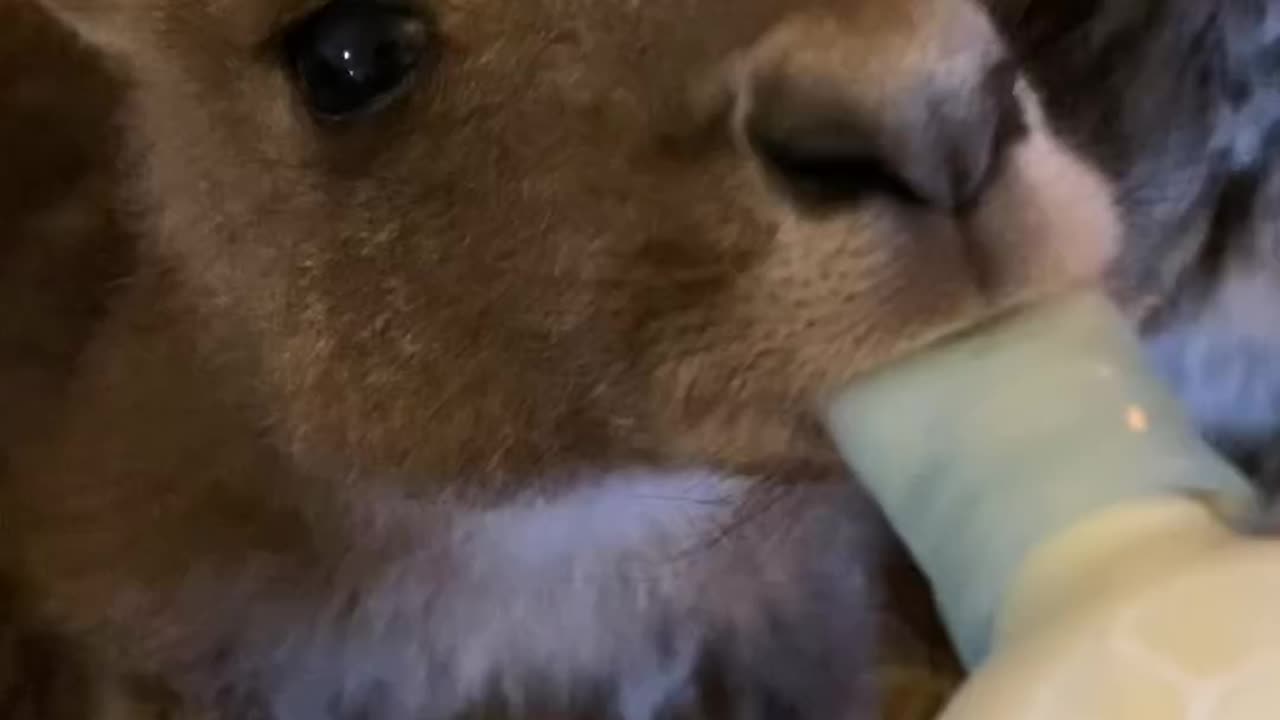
x: 462, y: 333
x: 585, y: 229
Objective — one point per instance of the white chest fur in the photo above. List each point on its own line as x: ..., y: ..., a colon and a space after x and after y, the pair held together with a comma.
x: 617, y: 588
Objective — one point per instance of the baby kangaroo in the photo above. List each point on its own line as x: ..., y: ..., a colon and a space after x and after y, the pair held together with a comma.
x: 466, y: 365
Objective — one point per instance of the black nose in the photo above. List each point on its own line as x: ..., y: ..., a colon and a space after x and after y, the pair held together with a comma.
x: 938, y: 143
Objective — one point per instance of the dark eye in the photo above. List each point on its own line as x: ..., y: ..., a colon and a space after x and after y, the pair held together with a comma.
x: 353, y: 56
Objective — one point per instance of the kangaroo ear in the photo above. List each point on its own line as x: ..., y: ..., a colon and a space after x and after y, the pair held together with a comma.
x: 98, y: 22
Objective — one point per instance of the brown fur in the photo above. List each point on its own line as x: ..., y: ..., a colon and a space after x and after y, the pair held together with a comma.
x: 336, y: 353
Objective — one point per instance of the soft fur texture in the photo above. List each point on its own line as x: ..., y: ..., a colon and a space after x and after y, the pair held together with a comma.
x: 453, y: 410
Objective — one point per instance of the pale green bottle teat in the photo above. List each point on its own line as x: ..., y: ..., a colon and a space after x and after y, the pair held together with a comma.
x: 984, y: 448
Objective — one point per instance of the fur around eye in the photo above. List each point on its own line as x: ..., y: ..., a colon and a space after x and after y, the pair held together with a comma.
x: 352, y: 57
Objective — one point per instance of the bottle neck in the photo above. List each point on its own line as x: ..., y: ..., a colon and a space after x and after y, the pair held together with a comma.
x: 987, y: 447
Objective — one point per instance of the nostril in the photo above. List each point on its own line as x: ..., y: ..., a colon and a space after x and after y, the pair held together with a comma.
x: 814, y: 149
x: 825, y: 176
x: 1001, y: 124
x: 830, y: 144
x: 827, y: 147
x: 1001, y: 85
